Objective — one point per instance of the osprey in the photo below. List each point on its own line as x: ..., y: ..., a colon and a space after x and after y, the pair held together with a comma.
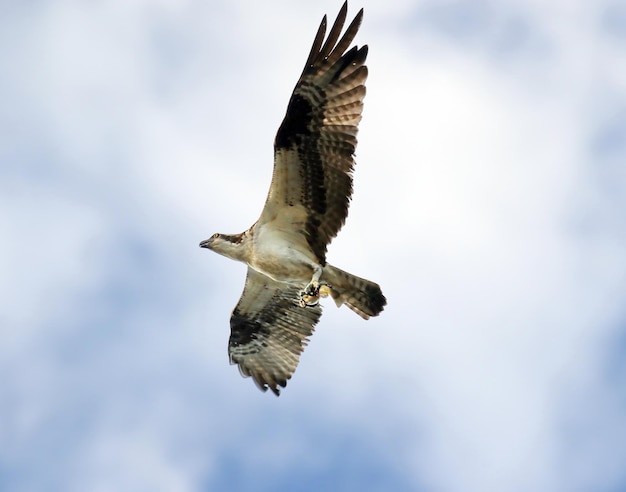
x: 307, y: 204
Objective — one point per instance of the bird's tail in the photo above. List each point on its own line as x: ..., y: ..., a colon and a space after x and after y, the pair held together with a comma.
x: 362, y: 296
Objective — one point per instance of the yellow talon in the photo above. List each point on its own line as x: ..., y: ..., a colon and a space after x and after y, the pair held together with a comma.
x: 324, y: 290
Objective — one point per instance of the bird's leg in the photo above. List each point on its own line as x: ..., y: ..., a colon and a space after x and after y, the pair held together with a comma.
x: 310, y: 295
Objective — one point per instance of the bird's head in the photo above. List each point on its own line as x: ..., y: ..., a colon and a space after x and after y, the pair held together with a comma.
x: 225, y: 244
x: 212, y: 241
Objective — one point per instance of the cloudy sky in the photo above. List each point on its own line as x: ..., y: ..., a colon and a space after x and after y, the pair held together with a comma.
x: 489, y: 204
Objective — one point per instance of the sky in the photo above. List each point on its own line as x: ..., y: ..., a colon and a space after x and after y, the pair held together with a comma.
x: 489, y: 194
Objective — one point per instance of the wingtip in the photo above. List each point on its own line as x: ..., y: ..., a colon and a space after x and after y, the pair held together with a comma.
x: 274, y: 387
x: 259, y: 381
x: 275, y: 390
x: 344, y: 9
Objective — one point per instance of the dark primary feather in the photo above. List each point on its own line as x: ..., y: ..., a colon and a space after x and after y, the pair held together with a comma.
x: 315, y: 144
x: 269, y: 330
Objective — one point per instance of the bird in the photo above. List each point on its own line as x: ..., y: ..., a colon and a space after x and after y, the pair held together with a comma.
x: 307, y: 204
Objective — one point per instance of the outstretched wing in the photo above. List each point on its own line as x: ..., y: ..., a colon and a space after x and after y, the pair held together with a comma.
x: 269, y: 330
x: 314, y: 147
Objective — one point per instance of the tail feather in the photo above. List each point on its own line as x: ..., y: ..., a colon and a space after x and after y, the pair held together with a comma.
x: 362, y: 296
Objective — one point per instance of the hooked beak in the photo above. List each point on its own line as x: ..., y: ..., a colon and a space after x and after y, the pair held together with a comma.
x: 206, y: 244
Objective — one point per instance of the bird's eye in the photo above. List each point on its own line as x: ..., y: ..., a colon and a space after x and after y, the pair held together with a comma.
x: 216, y: 235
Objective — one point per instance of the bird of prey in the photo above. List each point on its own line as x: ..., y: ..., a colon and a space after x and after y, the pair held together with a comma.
x: 307, y: 204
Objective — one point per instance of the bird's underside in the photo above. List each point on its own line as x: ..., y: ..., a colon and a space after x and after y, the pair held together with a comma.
x: 307, y: 204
